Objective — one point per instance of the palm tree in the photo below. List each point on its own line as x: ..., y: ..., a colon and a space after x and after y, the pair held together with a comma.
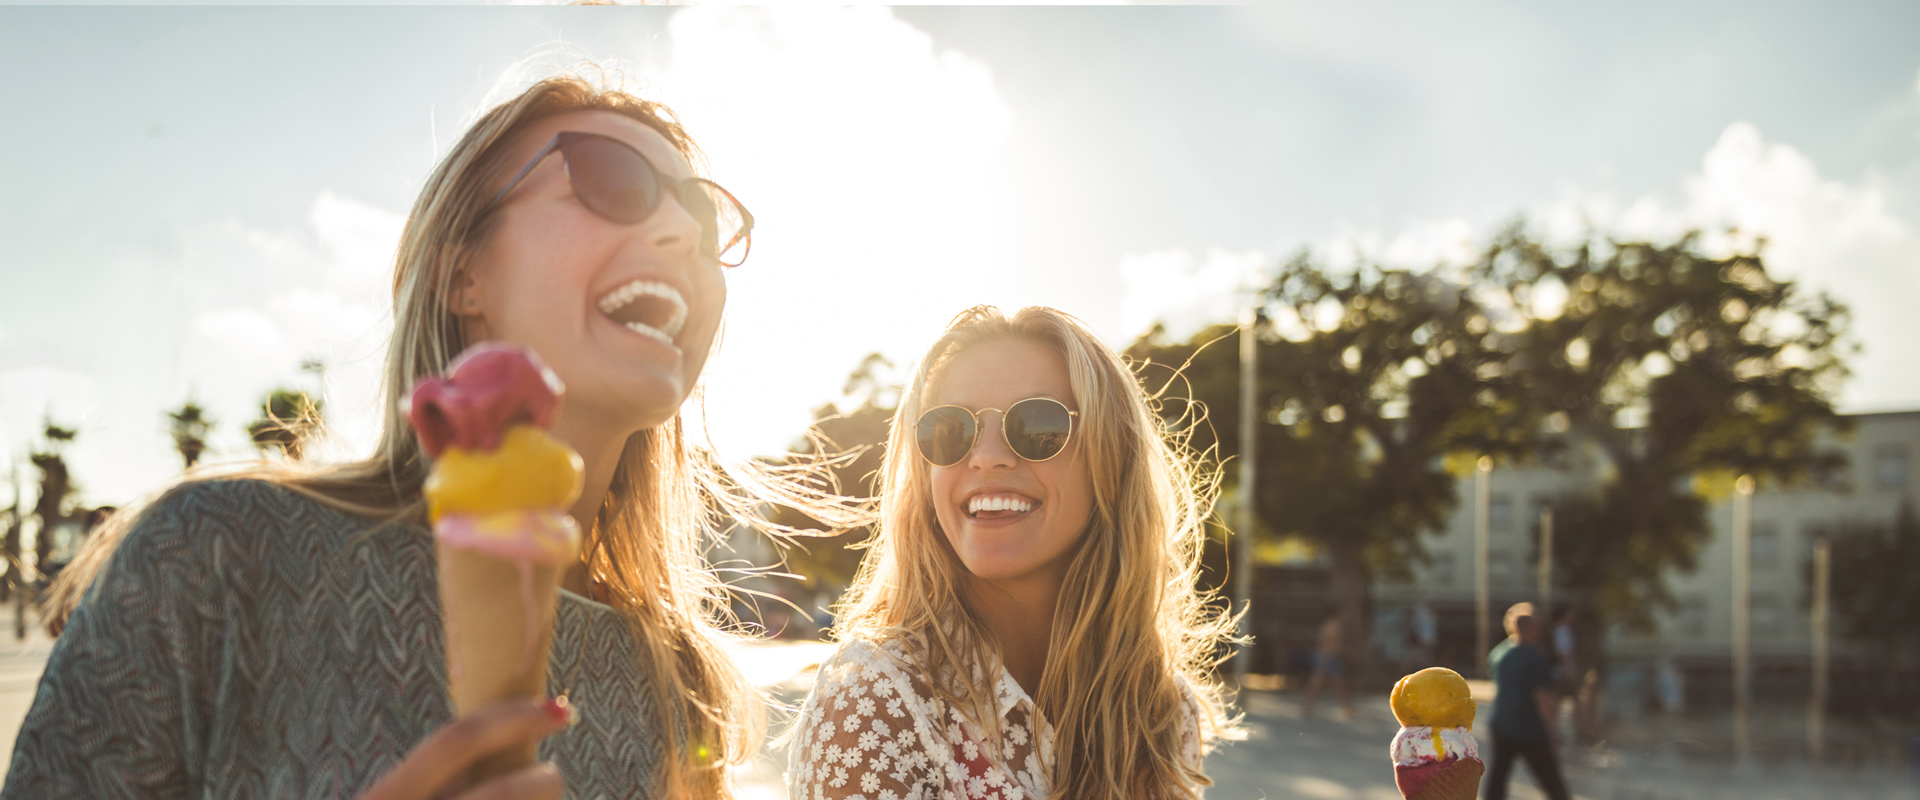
x: 288, y: 419
x: 189, y: 427
x: 56, y: 483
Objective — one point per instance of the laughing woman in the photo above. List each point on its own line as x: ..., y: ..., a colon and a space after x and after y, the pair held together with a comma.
x: 1027, y: 624
x: 277, y: 633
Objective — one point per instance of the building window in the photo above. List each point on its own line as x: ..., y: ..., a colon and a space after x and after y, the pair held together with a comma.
x: 1499, y: 512
x: 1890, y: 468
x: 1765, y: 544
x: 1442, y: 569
x: 1500, y: 568
x: 1768, y: 617
x: 1691, y: 617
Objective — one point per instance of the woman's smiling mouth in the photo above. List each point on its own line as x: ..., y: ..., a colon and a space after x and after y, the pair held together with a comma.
x: 999, y: 505
x: 650, y: 308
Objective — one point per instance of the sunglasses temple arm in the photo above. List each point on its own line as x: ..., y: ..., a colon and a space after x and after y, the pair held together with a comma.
x: 524, y: 172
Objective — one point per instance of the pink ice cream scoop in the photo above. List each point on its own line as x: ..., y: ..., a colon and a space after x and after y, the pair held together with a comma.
x: 487, y: 390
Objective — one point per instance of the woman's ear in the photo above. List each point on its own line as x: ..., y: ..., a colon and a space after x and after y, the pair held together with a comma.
x: 465, y: 299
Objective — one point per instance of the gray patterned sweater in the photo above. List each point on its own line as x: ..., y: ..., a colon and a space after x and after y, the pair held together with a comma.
x: 247, y: 642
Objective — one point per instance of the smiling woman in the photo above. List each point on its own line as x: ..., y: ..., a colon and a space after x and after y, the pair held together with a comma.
x: 276, y: 631
x: 1027, y: 623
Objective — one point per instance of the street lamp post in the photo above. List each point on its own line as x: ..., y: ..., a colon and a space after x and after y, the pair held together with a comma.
x: 1546, y: 561
x: 1742, y: 614
x: 1482, y: 593
x: 1822, y: 585
x: 1243, y: 536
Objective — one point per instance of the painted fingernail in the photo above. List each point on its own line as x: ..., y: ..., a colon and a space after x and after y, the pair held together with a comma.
x: 559, y: 709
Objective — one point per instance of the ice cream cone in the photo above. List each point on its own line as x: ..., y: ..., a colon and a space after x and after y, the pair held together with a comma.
x: 497, y: 496
x: 1457, y: 779
x: 499, y: 626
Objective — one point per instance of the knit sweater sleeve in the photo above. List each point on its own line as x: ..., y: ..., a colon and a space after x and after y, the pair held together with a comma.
x: 120, y: 709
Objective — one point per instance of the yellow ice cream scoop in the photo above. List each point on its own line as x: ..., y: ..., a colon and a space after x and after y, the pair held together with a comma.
x: 1436, y: 697
x: 530, y: 469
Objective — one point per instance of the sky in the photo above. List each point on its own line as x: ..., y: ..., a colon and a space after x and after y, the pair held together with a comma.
x: 197, y: 200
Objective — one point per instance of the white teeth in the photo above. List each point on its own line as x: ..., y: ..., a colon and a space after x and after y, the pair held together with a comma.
x: 676, y: 305
x: 998, y: 502
x: 649, y: 331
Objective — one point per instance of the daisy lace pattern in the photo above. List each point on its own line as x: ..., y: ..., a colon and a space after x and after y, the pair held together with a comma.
x: 871, y: 730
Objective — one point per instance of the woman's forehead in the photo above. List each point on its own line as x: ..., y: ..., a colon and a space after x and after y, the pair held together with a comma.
x: 996, y: 374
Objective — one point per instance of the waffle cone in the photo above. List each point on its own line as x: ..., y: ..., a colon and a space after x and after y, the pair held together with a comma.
x: 499, y: 626
x: 1459, y: 780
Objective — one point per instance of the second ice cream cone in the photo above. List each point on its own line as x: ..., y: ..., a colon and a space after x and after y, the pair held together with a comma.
x: 1459, y: 780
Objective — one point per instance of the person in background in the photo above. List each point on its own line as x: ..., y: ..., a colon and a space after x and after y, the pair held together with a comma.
x: 1522, y: 703
x: 1423, y: 632
x: 1329, y: 664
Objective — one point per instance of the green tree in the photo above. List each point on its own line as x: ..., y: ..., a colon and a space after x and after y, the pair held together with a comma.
x: 189, y: 427
x: 56, y: 488
x: 1878, y: 602
x: 857, y: 425
x: 288, y: 420
x: 1668, y: 371
x: 16, y: 521
x: 1374, y: 378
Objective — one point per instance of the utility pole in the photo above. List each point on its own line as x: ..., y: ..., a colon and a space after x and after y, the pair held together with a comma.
x: 1482, y: 592
x: 1243, y: 537
x: 1822, y: 587
x: 1546, y: 562
x: 1742, y: 614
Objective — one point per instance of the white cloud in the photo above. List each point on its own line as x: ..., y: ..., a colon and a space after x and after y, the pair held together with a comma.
x: 872, y: 160
x: 1185, y: 293
x: 1834, y: 235
x: 219, y: 313
x: 1840, y: 236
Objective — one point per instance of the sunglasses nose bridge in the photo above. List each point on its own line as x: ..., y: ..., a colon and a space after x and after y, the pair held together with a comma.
x: 990, y: 444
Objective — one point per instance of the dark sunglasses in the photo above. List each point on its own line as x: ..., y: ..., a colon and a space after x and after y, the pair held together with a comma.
x: 616, y: 182
x: 1035, y: 429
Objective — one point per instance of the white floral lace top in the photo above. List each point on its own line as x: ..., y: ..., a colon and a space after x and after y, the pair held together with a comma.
x: 872, y: 730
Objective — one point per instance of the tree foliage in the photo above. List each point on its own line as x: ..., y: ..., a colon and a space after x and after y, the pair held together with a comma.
x: 1366, y: 382
x: 289, y: 418
x: 56, y: 489
x: 1879, y: 601
x: 1664, y: 370
x: 1671, y: 370
x: 858, y: 423
x: 189, y: 426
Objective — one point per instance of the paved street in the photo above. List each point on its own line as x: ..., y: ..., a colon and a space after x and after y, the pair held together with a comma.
x: 1283, y: 757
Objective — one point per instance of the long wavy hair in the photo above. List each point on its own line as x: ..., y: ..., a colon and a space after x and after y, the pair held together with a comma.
x: 1133, y: 636
x: 647, y: 546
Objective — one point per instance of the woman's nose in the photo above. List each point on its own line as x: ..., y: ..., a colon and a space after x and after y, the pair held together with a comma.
x: 670, y: 229
x: 990, y: 446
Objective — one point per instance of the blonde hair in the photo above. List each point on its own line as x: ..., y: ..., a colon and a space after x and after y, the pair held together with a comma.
x: 645, y: 546
x: 1133, y: 636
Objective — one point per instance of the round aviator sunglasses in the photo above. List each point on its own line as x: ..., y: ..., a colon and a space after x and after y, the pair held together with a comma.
x: 616, y: 182
x: 1035, y: 429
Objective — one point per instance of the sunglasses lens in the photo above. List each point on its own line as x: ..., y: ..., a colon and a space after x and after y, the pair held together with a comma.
x: 1037, y: 428
x: 944, y: 435
x: 612, y: 179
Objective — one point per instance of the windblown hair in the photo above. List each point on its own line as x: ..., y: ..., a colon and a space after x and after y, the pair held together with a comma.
x: 1133, y: 635
x: 646, y: 545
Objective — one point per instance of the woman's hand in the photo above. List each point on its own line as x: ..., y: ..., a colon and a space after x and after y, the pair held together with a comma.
x: 434, y: 765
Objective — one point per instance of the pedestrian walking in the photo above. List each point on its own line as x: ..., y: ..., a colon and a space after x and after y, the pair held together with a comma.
x: 1329, y: 665
x: 1522, y: 704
